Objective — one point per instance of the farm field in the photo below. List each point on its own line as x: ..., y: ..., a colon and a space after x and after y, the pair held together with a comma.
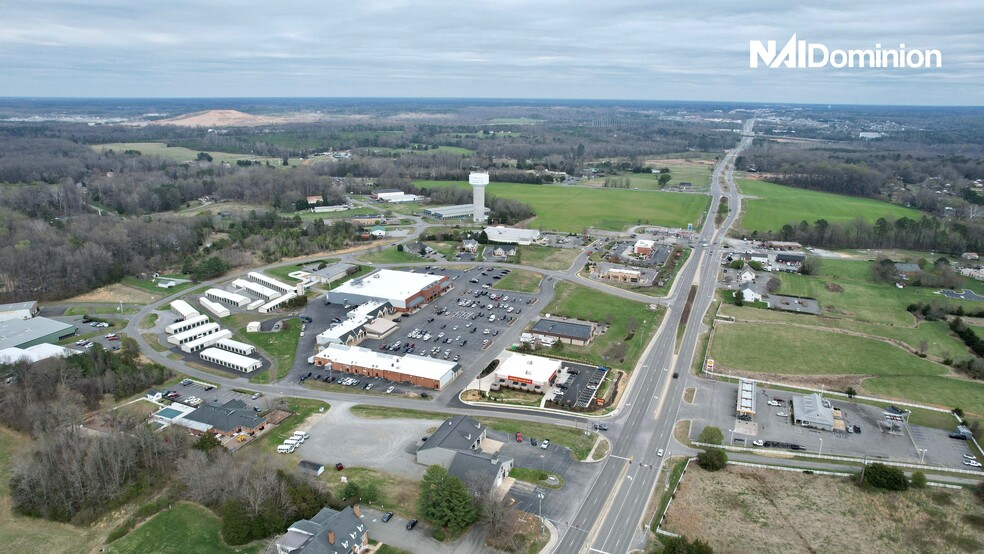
x: 181, y: 154
x: 756, y: 510
x: 777, y: 205
x: 185, y: 528
x: 627, y: 317
x: 520, y: 280
x: 695, y: 171
x: 390, y: 255
x: 546, y: 257
x: 570, y: 209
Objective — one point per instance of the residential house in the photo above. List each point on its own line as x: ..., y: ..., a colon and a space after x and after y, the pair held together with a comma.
x: 906, y: 270
x: 470, y: 245
x: 504, y: 251
x: 456, y: 446
x: 746, y: 276
x: 328, y: 532
x: 748, y: 294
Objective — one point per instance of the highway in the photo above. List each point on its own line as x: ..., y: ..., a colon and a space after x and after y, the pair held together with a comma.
x: 611, y: 518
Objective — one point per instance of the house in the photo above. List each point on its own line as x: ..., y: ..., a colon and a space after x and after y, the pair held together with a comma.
x: 378, y: 232
x: 328, y: 532
x: 748, y: 294
x: 226, y: 419
x: 504, y: 251
x: 455, y: 445
x: 470, y: 245
x: 155, y: 395
x: 419, y: 248
x: 746, y: 276
x: 969, y: 256
x: 906, y: 269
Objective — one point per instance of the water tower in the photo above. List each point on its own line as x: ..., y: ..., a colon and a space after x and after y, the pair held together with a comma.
x: 478, y: 182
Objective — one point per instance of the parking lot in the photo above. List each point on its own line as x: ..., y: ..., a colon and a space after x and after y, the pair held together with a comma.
x: 459, y: 326
x: 206, y: 392
x: 577, y: 386
x: 715, y: 404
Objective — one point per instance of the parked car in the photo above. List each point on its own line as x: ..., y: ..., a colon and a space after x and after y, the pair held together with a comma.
x: 782, y: 414
x: 519, y: 437
x: 532, y: 441
x: 601, y: 426
x: 972, y: 463
x: 387, y: 516
x: 339, y: 466
x: 758, y: 443
x: 411, y: 524
x: 545, y: 444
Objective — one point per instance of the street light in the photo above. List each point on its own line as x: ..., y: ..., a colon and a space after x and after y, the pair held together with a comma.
x: 922, y: 455
x: 732, y: 436
x: 540, y: 510
x: 821, y: 447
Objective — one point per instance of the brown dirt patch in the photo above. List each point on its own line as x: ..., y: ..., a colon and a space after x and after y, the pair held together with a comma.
x: 116, y: 293
x: 829, y: 382
x: 471, y: 395
x: 834, y: 287
x: 277, y: 416
x: 758, y: 510
x: 229, y: 118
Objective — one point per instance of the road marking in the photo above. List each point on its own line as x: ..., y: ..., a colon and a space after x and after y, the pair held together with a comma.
x: 599, y: 551
x: 619, y: 457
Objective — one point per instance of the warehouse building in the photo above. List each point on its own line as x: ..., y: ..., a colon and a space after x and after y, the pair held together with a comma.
x: 277, y: 302
x: 190, y: 323
x: 397, y: 197
x: 241, y: 348
x: 256, y: 289
x: 403, y: 290
x: 567, y: 332
x: 183, y: 309
x: 22, y: 333
x: 218, y: 310
x: 812, y: 410
x: 19, y: 310
x: 230, y: 360
x: 331, y: 273
x: 525, y: 372
x: 34, y: 354
x: 205, y: 341
x: 270, y: 282
x: 411, y: 368
x: 225, y: 297
x: 461, y: 211
x: 511, y: 235
x: 191, y: 334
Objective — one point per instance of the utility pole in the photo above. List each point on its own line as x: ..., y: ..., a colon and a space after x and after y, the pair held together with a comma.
x: 540, y: 510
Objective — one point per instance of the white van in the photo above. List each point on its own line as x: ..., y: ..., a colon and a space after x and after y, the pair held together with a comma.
x: 285, y: 449
x: 292, y: 442
x: 301, y: 435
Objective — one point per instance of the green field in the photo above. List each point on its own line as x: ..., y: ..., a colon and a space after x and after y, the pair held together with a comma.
x: 279, y: 347
x: 302, y: 408
x: 777, y: 205
x: 571, y: 209
x: 390, y: 255
x: 520, y: 281
x: 546, y: 257
x: 692, y: 171
x: 180, y: 154
x: 625, y: 316
x: 185, y: 528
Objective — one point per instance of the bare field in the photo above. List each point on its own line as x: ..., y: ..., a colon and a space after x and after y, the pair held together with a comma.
x: 757, y: 510
x: 116, y: 293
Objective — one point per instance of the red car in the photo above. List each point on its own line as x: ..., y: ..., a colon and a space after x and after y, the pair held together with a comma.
x: 519, y: 437
x: 339, y: 466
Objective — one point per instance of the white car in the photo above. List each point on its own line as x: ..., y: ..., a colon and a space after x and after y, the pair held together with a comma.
x: 659, y: 452
x: 970, y: 457
x: 390, y: 390
x: 545, y: 444
x: 972, y: 463
x: 782, y: 414
x: 773, y: 402
x: 758, y: 443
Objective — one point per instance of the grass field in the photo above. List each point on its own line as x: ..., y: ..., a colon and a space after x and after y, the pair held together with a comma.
x: 571, y: 209
x: 520, y: 280
x: 390, y: 255
x: 626, y: 316
x: 150, y: 285
x: 337, y: 215
x: 546, y: 257
x: 396, y: 493
x: 96, y: 310
x: 695, y: 171
x: 280, y: 347
x: 185, y: 528
x: 180, y: 154
x: 777, y: 205
x: 758, y: 510
x: 302, y: 408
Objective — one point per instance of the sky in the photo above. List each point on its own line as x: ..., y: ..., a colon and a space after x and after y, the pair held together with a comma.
x: 604, y: 49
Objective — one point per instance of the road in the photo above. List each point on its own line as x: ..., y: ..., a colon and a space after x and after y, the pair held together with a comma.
x: 616, y: 503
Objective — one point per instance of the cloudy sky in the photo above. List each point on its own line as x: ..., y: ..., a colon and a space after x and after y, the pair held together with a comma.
x: 618, y: 49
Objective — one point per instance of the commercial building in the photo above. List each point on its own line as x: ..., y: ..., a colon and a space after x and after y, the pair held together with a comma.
x: 331, y: 273
x: 230, y: 360
x: 456, y: 446
x: 413, y: 369
x: 396, y: 197
x: 512, y: 235
x: 525, y: 372
x: 183, y: 309
x: 224, y: 419
x: 644, y: 247
x: 812, y: 410
x: 460, y: 211
x: 328, y: 532
x: 620, y: 275
x: 351, y: 332
x: 470, y: 245
x: 194, y: 333
x: 403, y: 290
x: 34, y: 354
x: 189, y: 323
x: 218, y: 310
x: 256, y: 289
x: 225, y: 297
x: 22, y: 333
x: 783, y: 245
x: 746, y: 398
x: 19, y: 310
x: 567, y: 332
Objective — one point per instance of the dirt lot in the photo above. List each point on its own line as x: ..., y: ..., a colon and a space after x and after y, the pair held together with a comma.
x: 758, y: 510
x: 116, y: 293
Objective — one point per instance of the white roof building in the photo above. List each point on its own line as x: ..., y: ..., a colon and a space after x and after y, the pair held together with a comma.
x: 270, y: 282
x: 525, y: 371
x: 643, y: 245
x: 183, y: 309
x: 218, y: 310
x: 191, y: 322
x: 230, y: 360
x: 19, y: 310
x: 277, y: 302
x: 35, y: 353
x: 259, y: 290
x: 512, y: 235
x: 402, y: 289
x: 421, y: 370
x: 231, y: 298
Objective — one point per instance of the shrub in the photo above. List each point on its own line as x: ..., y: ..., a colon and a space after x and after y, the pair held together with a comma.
x: 711, y: 435
x: 918, y: 480
x: 712, y: 459
x: 881, y: 476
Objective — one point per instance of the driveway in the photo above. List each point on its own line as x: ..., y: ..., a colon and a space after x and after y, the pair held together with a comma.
x: 394, y: 533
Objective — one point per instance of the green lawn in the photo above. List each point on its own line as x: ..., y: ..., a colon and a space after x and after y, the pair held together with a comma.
x: 387, y: 549
x: 546, y: 257
x: 185, y: 528
x: 694, y: 172
x: 352, y: 212
x: 777, y: 205
x: 625, y: 316
x: 390, y: 255
x: 302, y: 408
x: 935, y: 391
x: 104, y: 309
x: 280, y: 347
x: 520, y: 280
x: 150, y: 285
x: 535, y: 476
x: 571, y: 209
x: 396, y: 493
x: 180, y: 154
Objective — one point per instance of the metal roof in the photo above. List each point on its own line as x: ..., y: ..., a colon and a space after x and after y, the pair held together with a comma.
x: 810, y: 409
x: 456, y: 433
x: 15, y: 332
x: 565, y: 329
x: 746, y: 397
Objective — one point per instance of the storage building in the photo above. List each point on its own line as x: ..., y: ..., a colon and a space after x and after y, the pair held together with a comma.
x: 405, y: 291
x: 230, y: 298
x: 183, y: 309
x: 205, y: 341
x: 218, y: 310
x: 191, y: 334
x: 256, y: 289
x: 270, y: 282
x: 236, y: 346
x: 277, y: 302
x: 230, y: 360
x: 411, y: 368
x: 190, y: 323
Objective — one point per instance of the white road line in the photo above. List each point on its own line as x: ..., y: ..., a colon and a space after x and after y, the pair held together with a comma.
x: 619, y: 457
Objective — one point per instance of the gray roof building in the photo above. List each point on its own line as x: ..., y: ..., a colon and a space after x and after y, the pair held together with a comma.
x: 563, y: 329
x: 227, y: 418
x: 793, y: 257
x: 479, y: 470
x: 328, y: 532
x: 907, y: 268
x: 811, y: 410
x: 307, y: 466
x: 457, y: 433
x: 22, y: 333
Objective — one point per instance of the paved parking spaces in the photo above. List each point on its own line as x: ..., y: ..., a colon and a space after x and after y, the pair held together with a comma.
x: 579, y: 385
x: 715, y: 405
x: 208, y: 393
